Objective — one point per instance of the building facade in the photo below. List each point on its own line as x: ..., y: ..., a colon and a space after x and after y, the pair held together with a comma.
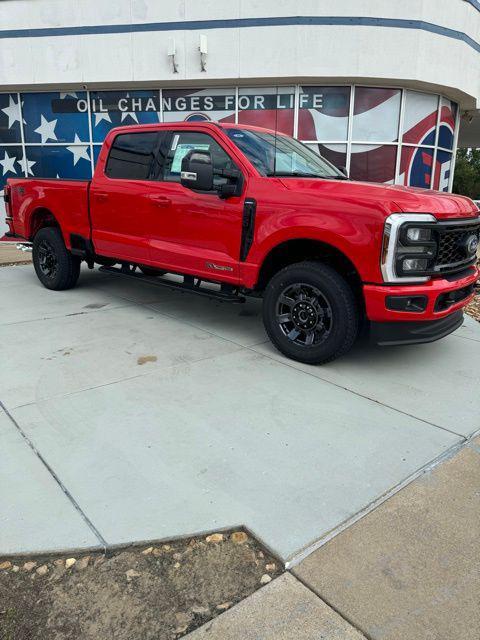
x: 381, y: 88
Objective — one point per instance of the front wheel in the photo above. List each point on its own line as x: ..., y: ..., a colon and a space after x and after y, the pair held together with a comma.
x: 310, y: 313
x: 54, y: 265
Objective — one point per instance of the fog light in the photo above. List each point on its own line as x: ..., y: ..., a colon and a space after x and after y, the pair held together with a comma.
x: 419, y: 234
x: 414, y: 264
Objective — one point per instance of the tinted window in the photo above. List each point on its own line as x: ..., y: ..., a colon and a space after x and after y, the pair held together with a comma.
x: 183, y: 142
x: 279, y: 155
x: 131, y: 156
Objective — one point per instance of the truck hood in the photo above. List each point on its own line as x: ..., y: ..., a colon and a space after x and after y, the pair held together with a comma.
x: 392, y: 198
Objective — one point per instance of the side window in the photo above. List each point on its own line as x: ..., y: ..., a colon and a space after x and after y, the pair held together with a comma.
x: 131, y: 156
x: 182, y: 142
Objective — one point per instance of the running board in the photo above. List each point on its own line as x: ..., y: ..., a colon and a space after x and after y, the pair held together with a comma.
x: 189, y: 284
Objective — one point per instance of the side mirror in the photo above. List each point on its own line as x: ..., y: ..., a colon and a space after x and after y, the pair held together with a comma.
x: 197, y: 170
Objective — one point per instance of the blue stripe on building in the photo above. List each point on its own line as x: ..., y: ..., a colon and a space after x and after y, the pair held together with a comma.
x: 241, y: 23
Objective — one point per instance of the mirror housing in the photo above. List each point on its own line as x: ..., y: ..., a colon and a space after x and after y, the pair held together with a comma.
x: 197, y: 170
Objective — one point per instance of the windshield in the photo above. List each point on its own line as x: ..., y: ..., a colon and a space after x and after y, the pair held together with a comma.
x: 281, y: 155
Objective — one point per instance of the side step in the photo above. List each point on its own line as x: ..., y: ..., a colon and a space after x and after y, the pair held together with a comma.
x: 190, y: 284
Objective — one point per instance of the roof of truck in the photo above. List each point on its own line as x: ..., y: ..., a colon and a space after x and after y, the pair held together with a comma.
x: 193, y: 124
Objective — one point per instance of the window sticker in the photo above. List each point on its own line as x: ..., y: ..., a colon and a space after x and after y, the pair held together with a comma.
x: 181, y: 151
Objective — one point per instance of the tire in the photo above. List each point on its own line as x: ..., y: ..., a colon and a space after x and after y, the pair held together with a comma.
x: 55, y: 266
x: 150, y: 271
x: 310, y: 299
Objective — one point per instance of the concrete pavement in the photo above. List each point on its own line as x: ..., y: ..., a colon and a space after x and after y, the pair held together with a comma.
x: 159, y: 414
x: 283, y: 610
x: 410, y: 569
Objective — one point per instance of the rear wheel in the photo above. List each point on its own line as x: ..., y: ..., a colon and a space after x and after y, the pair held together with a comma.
x: 54, y: 265
x: 310, y: 313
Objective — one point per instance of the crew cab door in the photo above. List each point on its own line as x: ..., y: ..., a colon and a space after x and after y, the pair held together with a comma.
x: 196, y: 232
x: 122, y: 197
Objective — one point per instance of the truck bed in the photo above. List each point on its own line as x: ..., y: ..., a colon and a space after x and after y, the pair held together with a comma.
x: 30, y: 199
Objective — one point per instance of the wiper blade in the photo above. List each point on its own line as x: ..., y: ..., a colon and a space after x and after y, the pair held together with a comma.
x: 336, y: 178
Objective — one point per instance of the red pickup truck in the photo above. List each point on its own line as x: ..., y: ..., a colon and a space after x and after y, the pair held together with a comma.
x: 259, y: 214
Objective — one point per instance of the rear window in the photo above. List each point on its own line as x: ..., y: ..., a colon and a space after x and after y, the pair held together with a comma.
x: 131, y: 156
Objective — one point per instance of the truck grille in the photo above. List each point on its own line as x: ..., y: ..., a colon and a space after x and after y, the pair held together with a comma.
x: 452, y: 252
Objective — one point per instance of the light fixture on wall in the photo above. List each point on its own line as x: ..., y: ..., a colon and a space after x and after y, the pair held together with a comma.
x: 203, y: 48
x: 172, y: 54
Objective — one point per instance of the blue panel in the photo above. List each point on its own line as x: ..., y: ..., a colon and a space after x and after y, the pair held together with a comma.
x: 10, y: 164
x: 55, y: 117
x: 9, y: 118
x: 59, y: 162
x: 445, y: 137
x: 115, y: 108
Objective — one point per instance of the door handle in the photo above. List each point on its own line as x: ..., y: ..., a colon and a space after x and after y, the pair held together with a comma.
x: 101, y: 195
x: 160, y: 201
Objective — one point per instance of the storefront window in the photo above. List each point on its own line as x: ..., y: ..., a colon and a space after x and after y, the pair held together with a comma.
x: 334, y: 153
x: 9, y: 118
x: 416, y: 166
x: 57, y: 161
x: 217, y: 105
x: 272, y: 108
x: 116, y: 108
x: 55, y: 117
x: 373, y: 163
x: 323, y: 113
x: 48, y: 134
x: 376, y: 114
x: 420, y: 118
x: 448, y: 118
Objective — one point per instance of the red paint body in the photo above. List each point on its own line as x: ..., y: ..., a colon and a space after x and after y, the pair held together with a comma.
x: 166, y: 225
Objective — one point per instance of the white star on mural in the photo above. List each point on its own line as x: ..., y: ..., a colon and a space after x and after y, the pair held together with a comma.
x: 46, y: 129
x: 12, y: 112
x: 132, y: 114
x: 68, y: 93
x: 25, y: 162
x: 101, y: 116
x: 8, y: 164
x: 79, y: 152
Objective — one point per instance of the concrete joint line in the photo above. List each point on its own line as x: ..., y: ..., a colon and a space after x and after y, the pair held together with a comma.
x: 329, y: 604
x: 356, y: 393
x: 103, y: 543
x: 427, y: 468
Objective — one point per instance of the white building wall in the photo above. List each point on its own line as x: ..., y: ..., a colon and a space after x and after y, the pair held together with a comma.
x: 382, y: 55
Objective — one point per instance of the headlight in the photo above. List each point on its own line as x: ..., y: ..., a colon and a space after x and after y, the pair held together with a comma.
x: 419, y: 234
x: 409, y: 247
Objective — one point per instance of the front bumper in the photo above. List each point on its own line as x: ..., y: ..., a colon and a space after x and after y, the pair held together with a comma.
x: 437, y: 303
x: 440, y: 312
x: 396, y: 333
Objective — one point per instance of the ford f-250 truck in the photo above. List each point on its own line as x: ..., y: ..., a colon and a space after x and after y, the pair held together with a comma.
x: 259, y: 214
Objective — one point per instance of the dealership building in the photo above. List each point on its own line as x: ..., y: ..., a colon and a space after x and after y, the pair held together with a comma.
x: 385, y: 89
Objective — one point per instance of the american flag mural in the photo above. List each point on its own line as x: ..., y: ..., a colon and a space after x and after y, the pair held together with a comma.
x: 382, y: 134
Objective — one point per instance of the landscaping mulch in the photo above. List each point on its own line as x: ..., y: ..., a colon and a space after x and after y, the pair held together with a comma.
x: 159, y: 592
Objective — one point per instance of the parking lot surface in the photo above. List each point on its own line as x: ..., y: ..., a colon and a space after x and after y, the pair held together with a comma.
x: 131, y: 412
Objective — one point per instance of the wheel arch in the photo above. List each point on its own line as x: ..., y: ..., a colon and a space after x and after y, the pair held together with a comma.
x: 39, y: 218
x: 301, y: 249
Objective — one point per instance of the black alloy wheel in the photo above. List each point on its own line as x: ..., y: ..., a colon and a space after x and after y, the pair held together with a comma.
x: 304, y: 314
x: 310, y: 312
x: 54, y: 265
